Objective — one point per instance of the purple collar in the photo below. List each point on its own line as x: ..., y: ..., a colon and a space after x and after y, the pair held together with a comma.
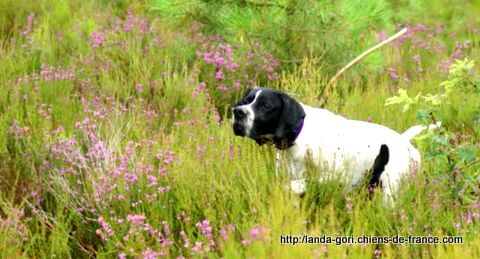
x: 288, y: 140
x: 299, y: 129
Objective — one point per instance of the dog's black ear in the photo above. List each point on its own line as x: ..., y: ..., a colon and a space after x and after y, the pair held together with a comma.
x: 291, y: 117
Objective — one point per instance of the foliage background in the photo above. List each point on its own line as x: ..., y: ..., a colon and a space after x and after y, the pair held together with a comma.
x: 115, y: 138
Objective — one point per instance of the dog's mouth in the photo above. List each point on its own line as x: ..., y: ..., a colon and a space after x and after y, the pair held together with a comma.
x: 239, y: 130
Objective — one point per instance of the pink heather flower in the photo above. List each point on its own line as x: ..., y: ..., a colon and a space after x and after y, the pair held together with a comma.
x: 200, y: 88
x: 205, y: 227
x: 444, y: 66
x: 267, y: 68
x: 237, y: 85
x: 18, y: 131
x: 96, y: 39
x: 186, y: 241
x: 416, y: 58
x: 28, y: 26
x: 152, y: 181
x: 219, y: 60
x: 122, y: 255
x: 135, y: 219
x: 421, y: 27
x: 222, y: 88
x: 423, y: 44
x: 143, y: 25
x: 169, y: 158
x: 219, y: 75
x: 393, y: 74
x: 207, y: 57
x: 232, y: 66
x: 254, y: 232
x: 163, y: 189
x: 106, y: 230
x: 183, y: 216
x: 476, y: 204
x: 131, y: 178
x: 457, y: 53
x: 230, y: 227
x: 21, y: 213
x: 201, y: 151
x: 149, y: 229
x: 227, y: 49
x: 139, y: 88
x: 127, y: 27
x: 97, y: 151
x: 272, y: 76
x: 224, y: 234
x: 457, y: 225
x: 348, y: 205
x: 405, y: 36
x: 197, y: 248
x: 151, y: 254
x: 166, y: 228
x: 162, y: 171
x: 467, y: 217
x: 381, y: 36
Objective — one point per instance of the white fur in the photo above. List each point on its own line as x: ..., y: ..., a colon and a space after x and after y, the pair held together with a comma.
x: 247, y: 108
x: 346, y: 149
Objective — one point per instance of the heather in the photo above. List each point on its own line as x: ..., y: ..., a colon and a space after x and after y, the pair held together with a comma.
x: 116, y: 139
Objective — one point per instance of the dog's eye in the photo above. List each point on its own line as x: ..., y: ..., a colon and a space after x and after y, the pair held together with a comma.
x: 264, y: 105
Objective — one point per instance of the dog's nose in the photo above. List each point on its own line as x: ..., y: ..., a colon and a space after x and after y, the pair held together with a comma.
x: 239, y: 112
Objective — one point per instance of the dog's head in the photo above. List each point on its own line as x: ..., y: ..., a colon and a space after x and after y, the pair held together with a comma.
x: 268, y: 116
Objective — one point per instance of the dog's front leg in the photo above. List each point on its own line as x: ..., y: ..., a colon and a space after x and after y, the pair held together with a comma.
x: 296, y: 171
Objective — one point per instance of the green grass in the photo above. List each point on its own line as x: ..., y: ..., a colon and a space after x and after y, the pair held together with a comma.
x: 121, y: 157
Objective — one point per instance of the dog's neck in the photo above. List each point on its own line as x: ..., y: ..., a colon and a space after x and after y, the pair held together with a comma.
x: 299, y: 129
x: 289, y: 139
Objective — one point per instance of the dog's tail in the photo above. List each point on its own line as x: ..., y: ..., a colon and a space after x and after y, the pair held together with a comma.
x: 415, y: 130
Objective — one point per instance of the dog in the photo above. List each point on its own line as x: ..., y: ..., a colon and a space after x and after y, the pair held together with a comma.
x: 349, y: 149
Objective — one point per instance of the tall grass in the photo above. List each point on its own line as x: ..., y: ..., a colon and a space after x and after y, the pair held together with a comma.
x: 115, y: 142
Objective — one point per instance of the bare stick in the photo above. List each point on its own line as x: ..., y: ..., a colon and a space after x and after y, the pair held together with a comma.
x: 364, y: 54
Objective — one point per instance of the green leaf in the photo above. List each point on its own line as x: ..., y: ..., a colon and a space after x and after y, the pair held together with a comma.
x: 423, y: 116
x: 434, y: 154
x: 435, y: 100
x: 443, y: 140
x: 461, y: 67
x: 402, y: 98
x: 466, y: 154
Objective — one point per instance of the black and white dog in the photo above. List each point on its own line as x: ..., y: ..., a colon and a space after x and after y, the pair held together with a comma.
x: 349, y: 149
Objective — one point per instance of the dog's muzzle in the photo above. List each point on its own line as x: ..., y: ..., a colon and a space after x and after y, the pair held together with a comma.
x: 239, y: 120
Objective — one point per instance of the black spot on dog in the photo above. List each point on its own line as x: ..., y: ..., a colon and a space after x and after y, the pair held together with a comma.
x: 379, y: 167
